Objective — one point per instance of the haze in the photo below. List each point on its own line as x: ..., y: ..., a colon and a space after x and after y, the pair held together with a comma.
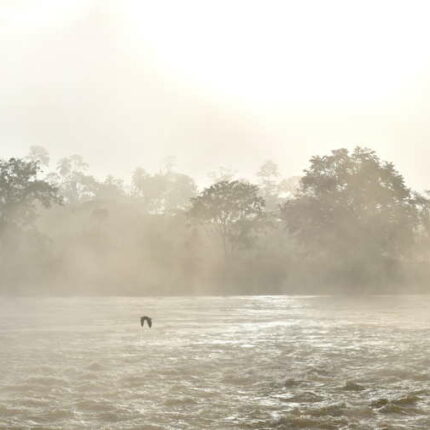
x: 127, y: 83
x: 251, y: 176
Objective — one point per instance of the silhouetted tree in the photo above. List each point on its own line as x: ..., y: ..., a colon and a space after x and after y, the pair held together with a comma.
x: 354, y: 209
x: 21, y: 190
x: 275, y: 189
x: 40, y: 154
x: 110, y: 188
x: 269, y: 184
x: 269, y: 172
x: 222, y: 173
x: 288, y: 187
x: 351, y: 220
x: 164, y: 192
x: 232, y: 208
x: 74, y: 183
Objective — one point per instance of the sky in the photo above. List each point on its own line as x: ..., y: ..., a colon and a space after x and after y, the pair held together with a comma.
x: 127, y: 83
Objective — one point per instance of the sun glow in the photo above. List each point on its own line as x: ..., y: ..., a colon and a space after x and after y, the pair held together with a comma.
x: 285, y: 51
x: 25, y: 16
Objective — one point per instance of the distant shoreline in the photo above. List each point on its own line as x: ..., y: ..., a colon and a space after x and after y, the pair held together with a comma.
x: 322, y: 294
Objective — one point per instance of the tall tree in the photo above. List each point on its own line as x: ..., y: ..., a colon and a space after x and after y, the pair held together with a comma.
x: 354, y: 209
x: 110, y: 188
x: 40, y: 154
x: 164, y: 192
x: 269, y: 184
x: 75, y: 184
x: 222, y: 173
x: 21, y: 191
x: 233, y: 209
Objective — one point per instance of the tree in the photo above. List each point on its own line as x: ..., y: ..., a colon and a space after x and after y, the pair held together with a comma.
x: 75, y: 184
x: 288, y: 187
x: 180, y: 189
x: 269, y: 180
x: 21, y: 190
x: 164, y: 192
x: 269, y: 172
x: 222, y: 173
x: 110, y: 189
x: 40, y: 154
x: 355, y: 211
x: 233, y: 209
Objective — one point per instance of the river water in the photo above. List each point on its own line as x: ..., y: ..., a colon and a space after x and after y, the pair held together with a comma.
x: 272, y: 362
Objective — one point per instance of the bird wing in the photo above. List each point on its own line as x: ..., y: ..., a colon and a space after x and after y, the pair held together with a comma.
x: 147, y: 319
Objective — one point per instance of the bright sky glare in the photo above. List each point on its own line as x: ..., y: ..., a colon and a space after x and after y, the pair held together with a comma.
x: 216, y: 83
x: 287, y: 51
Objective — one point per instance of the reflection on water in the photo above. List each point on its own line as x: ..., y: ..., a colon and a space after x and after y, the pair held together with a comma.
x: 215, y: 363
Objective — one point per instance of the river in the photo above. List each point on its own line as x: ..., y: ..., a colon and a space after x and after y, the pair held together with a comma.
x: 256, y: 362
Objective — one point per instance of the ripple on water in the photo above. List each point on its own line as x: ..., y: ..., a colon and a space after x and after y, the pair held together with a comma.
x: 95, y: 366
x: 46, y: 381
x: 231, y: 363
x: 353, y: 386
x: 299, y: 421
x: 53, y: 416
x: 180, y: 401
x: 304, y: 397
x: 403, y: 405
x: 90, y: 405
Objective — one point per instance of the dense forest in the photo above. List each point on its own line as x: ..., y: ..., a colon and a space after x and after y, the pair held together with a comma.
x: 349, y: 224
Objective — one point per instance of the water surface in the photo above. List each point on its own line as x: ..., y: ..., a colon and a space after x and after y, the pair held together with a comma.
x: 215, y: 363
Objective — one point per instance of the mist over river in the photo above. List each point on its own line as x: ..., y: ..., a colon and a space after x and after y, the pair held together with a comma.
x: 266, y: 362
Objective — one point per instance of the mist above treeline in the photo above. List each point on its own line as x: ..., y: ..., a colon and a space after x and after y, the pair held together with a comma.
x: 348, y: 225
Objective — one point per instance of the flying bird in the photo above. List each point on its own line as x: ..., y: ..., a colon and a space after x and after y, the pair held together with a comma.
x: 147, y: 319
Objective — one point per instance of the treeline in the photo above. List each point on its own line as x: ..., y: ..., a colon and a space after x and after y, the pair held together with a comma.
x: 350, y: 224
